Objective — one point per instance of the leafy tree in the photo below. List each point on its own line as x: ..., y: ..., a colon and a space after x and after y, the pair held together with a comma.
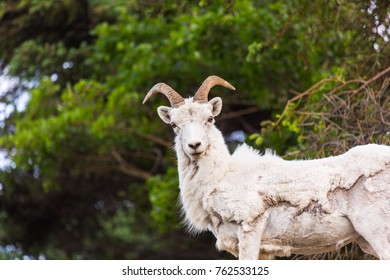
x: 94, y: 174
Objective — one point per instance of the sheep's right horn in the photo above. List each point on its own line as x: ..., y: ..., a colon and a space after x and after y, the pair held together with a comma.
x: 203, y: 92
x: 174, y: 98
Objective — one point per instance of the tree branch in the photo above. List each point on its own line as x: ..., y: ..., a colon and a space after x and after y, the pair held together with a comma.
x: 128, y: 168
x: 238, y: 113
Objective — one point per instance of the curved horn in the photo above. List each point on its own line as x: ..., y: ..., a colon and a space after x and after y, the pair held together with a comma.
x: 174, y: 98
x: 203, y: 92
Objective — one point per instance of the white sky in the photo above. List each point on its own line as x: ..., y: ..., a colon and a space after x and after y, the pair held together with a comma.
x: 5, y: 83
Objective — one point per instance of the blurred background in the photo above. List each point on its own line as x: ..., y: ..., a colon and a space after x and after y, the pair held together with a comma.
x: 87, y: 172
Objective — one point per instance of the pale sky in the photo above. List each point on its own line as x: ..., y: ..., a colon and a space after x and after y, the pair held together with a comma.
x: 5, y: 83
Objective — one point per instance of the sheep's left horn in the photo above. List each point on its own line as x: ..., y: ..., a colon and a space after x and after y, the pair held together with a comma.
x: 174, y: 98
x: 203, y: 92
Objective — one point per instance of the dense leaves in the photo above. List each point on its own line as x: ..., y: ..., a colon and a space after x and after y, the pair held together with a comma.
x: 92, y: 172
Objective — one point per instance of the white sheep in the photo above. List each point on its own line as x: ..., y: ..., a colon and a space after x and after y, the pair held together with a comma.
x: 261, y: 206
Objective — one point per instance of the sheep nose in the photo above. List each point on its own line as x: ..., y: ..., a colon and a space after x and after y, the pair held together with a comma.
x: 194, y: 145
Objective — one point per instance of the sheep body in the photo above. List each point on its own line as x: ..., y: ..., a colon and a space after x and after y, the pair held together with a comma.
x: 282, y: 180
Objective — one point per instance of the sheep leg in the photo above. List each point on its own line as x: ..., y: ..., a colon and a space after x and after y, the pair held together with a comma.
x: 249, y: 238
x: 378, y: 238
x: 227, y: 243
x: 374, y: 227
x: 369, y: 212
x: 366, y: 247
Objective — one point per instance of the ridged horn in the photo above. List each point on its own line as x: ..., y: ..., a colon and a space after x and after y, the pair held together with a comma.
x: 174, y: 98
x: 203, y: 92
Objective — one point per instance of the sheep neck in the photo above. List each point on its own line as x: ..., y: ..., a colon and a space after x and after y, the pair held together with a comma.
x: 197, y: 177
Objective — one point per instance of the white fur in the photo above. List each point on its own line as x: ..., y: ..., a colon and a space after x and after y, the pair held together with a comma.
x: 261, y: 203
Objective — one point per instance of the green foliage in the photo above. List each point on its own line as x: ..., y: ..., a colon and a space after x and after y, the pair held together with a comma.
x: 206, y: 39
x: 48, y: 59
x: 162, y: 196
x: 93, y: 168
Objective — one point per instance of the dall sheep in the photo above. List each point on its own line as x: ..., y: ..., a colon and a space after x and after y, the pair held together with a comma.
x: 261, y: 206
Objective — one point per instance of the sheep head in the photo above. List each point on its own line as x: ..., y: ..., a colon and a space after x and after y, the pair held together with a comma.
x: 192, y: 119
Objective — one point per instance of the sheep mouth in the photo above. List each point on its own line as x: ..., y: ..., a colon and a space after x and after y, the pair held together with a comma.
x: 196, y: 154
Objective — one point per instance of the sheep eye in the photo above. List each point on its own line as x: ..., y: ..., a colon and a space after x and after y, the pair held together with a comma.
x: 173, y: 125
x: 211, y: 118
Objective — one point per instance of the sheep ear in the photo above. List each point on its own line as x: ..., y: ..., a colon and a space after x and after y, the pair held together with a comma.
x: 163, y: 112
x: 216, y: 104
